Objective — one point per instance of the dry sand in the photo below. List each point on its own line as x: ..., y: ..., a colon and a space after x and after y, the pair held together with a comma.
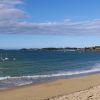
x: 89, y: 94
x: 65, y: 89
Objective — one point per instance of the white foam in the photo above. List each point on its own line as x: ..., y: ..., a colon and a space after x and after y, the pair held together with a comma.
x: 25, y: 83
x: 4, y: 78
x: 68, y: 73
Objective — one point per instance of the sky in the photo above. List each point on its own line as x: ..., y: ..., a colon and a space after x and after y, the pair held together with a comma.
x: 49, y: 23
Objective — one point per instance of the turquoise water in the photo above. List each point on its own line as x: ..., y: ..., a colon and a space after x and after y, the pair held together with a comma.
x: 36, y: 66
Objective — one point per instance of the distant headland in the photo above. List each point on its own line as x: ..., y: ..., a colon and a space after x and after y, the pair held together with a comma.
x: 95, y: 48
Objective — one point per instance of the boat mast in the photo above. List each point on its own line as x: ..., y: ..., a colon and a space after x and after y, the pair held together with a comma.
x: 1, y: 56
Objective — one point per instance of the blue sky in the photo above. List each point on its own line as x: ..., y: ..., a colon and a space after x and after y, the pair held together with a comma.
x: 49, y: 23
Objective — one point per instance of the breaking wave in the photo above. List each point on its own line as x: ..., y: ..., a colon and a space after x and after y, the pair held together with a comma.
x: 68, y: 73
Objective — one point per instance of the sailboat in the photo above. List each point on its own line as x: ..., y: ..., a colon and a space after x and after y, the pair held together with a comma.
x: 6, y: 58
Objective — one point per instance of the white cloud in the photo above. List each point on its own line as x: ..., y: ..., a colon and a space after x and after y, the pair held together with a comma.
x: 11, y: 22
x: 10, y: 2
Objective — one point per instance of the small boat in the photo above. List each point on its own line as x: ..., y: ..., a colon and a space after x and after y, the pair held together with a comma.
x: 6, y: 58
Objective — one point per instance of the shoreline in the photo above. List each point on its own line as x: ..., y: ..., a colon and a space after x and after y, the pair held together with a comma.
x: 50, y: 89
x: 45, y: 80
x: 50, y: 80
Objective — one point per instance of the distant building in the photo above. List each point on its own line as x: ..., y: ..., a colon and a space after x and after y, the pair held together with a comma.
x: 97, y: 48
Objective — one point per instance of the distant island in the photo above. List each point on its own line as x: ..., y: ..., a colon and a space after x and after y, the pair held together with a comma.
x: 95, y: 48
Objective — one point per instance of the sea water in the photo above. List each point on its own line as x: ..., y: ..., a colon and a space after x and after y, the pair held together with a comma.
x: 30, y: 67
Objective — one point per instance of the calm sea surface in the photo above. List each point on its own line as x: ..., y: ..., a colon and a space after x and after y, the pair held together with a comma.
x: 26, y: 67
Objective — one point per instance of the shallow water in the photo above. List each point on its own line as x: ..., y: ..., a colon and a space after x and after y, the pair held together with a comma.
x: 36, y: 66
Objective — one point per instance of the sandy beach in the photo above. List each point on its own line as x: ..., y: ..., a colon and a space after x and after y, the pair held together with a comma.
x: 89, y: 94
x: 81, y: 88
